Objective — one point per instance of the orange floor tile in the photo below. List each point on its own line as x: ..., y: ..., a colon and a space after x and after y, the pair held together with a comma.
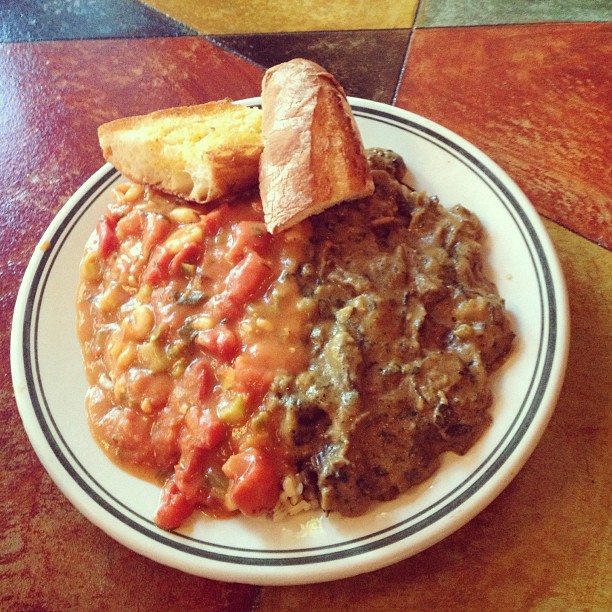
x: 536, y: 99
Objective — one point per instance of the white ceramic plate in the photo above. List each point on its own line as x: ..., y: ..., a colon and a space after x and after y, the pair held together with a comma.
x: 50, y: 386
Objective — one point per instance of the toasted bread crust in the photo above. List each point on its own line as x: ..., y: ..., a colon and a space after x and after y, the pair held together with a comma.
x: 313, y: 156
x: 176, y: 149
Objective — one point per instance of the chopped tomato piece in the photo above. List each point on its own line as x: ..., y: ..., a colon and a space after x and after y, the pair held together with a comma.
x: 197, y: 381
x: 211, y: 431
x: 254, y: 481
x: 223, y: 306
x: 248, y: 236
x: 247, y: 278
x: 206, y: 381
x: 215, y: 219
x: 220, y: 341
x: 158, y: 267
x: 252, y: 381
x: 188, y: 472
x: 189, y: 254
x: 157, y: 227
x: 254, y: 369
x: 203, y: 433
x: 107, y: 238
x: 174, y: 506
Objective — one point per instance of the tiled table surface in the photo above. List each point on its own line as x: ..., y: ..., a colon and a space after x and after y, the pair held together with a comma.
x: 527, y: 82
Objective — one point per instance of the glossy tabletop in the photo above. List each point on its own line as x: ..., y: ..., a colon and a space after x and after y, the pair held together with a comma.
x: 527, y: 82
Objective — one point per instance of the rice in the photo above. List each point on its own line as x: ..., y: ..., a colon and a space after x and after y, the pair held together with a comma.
x: 292, y: 499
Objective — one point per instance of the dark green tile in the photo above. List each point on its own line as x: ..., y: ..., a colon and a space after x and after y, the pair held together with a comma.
x: 440, y: 13
x: 368, y: 63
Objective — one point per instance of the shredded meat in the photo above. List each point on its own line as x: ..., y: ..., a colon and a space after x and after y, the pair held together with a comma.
x: 407, y: 334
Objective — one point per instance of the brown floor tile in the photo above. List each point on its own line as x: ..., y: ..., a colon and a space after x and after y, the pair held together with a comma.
x: 368, y: 63
x: 537, y: 99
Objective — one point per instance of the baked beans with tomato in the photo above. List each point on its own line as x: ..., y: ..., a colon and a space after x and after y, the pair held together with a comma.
x: 186, y: 315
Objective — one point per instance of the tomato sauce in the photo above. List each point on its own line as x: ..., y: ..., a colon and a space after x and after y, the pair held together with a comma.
x: 185, y: 316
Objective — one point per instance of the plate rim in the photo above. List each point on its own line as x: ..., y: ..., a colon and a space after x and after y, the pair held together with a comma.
x: 302, y: 570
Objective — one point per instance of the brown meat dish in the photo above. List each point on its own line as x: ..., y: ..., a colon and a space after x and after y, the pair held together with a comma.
x: 407, y: 334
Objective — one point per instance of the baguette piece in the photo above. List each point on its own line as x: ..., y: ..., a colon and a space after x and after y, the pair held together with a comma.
x: 198, y: 153
x: 313, y: 155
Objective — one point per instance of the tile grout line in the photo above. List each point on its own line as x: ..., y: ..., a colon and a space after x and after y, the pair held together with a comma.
x: 211, y: 38
x: 408, y: 46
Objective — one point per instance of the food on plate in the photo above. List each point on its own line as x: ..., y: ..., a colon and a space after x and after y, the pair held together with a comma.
x: 327, y: 365
x: 266, y: 360
x: 186, y: 316
x: 313, y: 155
x: 199, y: 153
x: 406, y: 333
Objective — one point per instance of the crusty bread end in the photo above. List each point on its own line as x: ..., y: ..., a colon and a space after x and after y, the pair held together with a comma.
x: 199, y: 152
x: 313, y: 155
